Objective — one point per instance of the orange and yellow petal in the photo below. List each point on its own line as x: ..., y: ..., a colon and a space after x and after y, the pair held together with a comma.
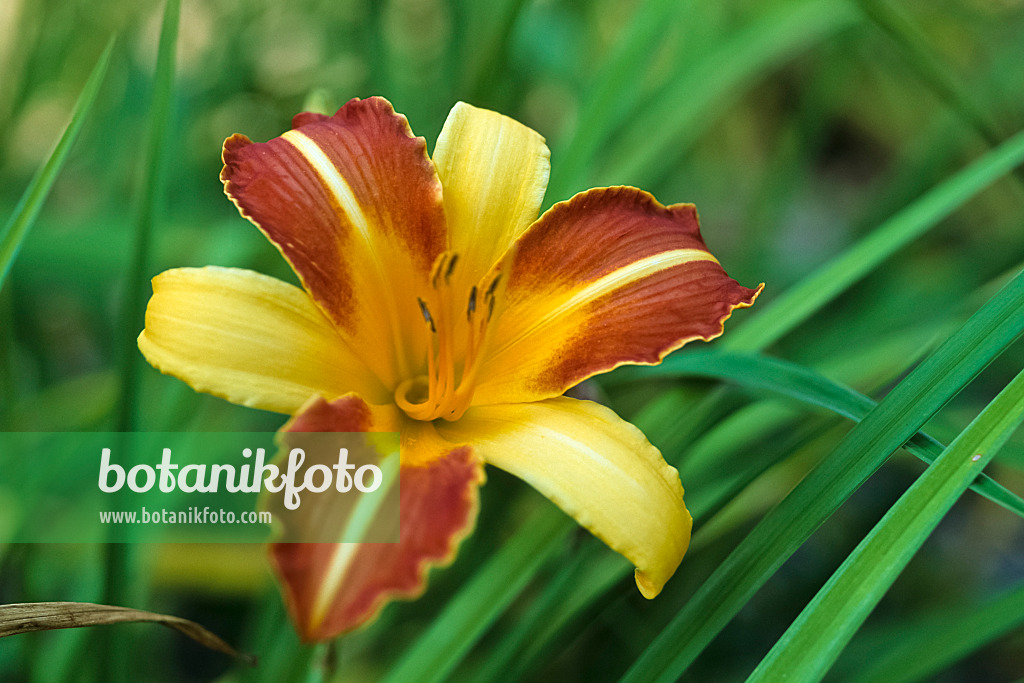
x: 333, y: 588
x: 598, y: 468
x: 354, y: 203
x: 607, y: 278
x: 249, y: 338
x: 494, y: 171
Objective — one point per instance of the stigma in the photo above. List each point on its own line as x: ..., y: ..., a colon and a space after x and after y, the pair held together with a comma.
x: 446, y: 390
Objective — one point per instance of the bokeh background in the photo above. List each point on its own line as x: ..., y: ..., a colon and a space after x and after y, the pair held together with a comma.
x: 797, y: 127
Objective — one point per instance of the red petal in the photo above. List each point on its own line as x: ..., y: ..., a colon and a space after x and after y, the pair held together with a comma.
x: 438, y: 508
x: 607, y: 278
x: 354, y: 203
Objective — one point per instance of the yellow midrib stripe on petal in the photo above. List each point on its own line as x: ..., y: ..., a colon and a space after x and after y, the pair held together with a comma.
x: 346, y: 199
x: 362, y: 516
x: 340, y: 563
x: 598, y: 459
x: 328, y: 172
x: 636, y: 270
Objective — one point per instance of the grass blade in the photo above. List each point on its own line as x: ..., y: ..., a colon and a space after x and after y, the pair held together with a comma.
x: 807, y: 386
x: 588, y: 575
x: 930, y: 69
x: 933, y: 643
x: 31, y: 203
x: 613, y: 94
x: 813, y: 292
x: 678, y: 114
x: 119, y: 569
x: 150, y: 190
x: 470, y: 613
x: 896, y: 418
x: 810, y: 646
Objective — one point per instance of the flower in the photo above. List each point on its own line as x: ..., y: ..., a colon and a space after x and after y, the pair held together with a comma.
x: 436, y: 304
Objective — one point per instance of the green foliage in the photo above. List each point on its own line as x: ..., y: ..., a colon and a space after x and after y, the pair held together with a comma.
x: 857, y: 157
x: 25, y: 213
x: 808, y: 649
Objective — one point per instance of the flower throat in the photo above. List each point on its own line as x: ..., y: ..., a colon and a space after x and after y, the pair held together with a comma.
x: 447, y: 389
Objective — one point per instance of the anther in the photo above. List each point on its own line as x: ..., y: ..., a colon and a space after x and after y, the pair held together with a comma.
x: 472, y: 304
x: 493, y: 286
x: 490, y: 308
x: 435, y: 274
x: 451, y: 267
x: 426, y: 314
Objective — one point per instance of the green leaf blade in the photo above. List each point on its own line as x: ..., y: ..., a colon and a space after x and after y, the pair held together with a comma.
x: 154, y: 163
x: 897, y: 418
x: 929, y: 644
x: 31, y: 203
x: 809, y: 387
x: 471, y: 612
x: 812, y: 293
x: 812, y: 643
x: 676, y: 116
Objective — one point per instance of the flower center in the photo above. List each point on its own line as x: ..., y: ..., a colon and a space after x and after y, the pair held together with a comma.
x: 447, y: 389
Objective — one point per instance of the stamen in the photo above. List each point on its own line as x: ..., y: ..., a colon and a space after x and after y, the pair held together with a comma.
x: 435, y: 273
x: 472, y: 304
x: 451, y: 267
x: 493, y: 286
x: 446, y: 390
x: 426, y: 314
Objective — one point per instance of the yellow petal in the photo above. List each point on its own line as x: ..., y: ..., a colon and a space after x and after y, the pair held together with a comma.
x: 249, y: 338
x: 494, y: 171
x: 595, y: 466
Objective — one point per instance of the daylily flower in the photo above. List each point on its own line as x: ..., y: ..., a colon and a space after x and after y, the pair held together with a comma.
x: 435, y: 303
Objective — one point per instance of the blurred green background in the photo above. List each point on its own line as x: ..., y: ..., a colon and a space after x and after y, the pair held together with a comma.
x: 797, y: 127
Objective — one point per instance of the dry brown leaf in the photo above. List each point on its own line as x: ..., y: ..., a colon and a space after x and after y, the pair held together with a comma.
x: 46, y: 616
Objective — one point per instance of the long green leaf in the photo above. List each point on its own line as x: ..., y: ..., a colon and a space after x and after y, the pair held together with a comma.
x: 812, y: 293
x: 487, y: 40
x: 154, y: 164
x: 470, y: 613
x: 895, y: 420
x: 923, y: 647
x: 589, y: 574
x: 807, y: 386
x: 810, y: 646
x: 31, y: 203
x: 614, y: 93
x: 676, y: 116
x: 932, y: 71
x: 119, y: 567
